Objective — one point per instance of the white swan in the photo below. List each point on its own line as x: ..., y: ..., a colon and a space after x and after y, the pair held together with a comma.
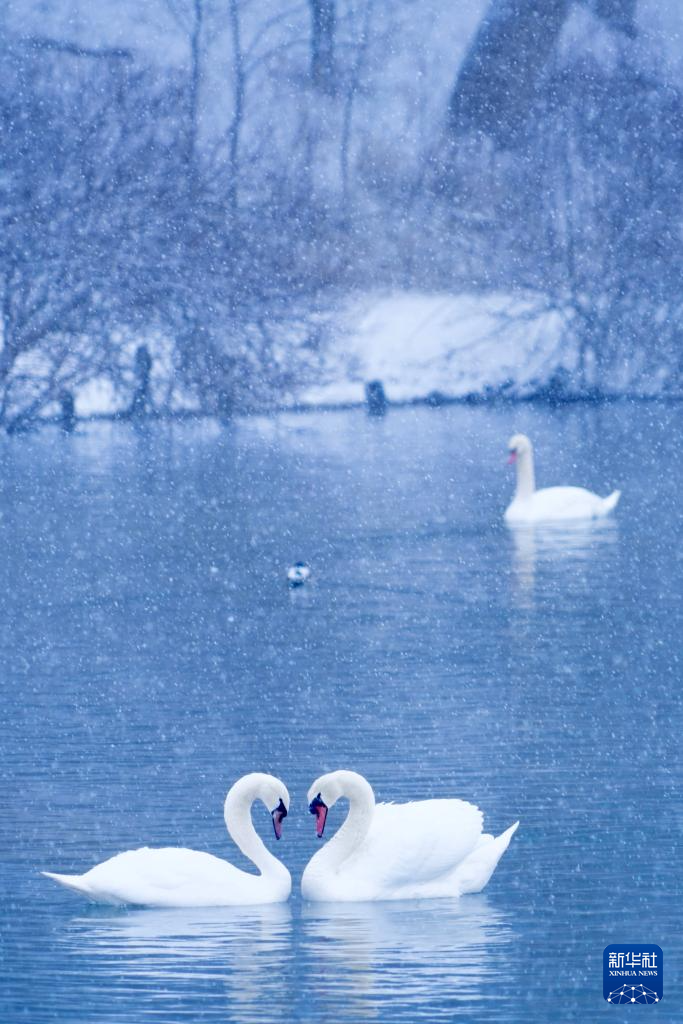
x: 550, y: 503
x: 176, y: 877
x: 422, y: 850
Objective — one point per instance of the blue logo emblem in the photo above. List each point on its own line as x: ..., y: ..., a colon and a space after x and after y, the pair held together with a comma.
x: 632, y: 973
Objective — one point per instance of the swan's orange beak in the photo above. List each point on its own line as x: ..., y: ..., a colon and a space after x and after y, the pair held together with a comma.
x: 278, y: 816
x: 319, y: 808
x: 512, y: 457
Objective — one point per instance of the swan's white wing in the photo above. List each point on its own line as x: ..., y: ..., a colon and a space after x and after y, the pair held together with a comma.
x: 475, y: 871
x: 610, y: 502
x: 164, y: 876
x: 409, y: 844
x: 565, y: 503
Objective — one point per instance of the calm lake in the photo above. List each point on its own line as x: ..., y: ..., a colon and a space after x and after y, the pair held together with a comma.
x: 152, y: 653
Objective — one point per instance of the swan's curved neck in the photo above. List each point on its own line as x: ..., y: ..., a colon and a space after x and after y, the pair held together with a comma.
x: 238, y: 822
x: 526, y: 483
x: 355, y: 828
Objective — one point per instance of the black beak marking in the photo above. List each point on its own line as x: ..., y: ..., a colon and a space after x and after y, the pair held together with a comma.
x: 278, y: 815
x: 318, y: 807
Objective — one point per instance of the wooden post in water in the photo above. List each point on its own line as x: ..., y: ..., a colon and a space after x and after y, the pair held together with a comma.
x: 67, y: 412
x: 225, y: 392
x: 143, y: 367
x: 375, y: 398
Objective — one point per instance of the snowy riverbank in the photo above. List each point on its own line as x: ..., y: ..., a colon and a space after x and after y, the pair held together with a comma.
x: 422, y: 344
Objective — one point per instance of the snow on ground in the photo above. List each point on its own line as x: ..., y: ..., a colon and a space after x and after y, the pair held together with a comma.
x: 418, y: 344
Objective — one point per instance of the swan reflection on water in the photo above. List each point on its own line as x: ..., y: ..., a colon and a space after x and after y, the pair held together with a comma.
x: 355, y: 961
x: 567, y: 546
x: 408, y: 960
x: 230, y: 960
x: 193, y: 932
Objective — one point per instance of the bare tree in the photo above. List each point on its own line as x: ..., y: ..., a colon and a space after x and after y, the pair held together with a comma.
x: 82, y: 172
x: 323, y: 25
x: 190, y: 16
x: 591, y: 220
x: 352, y: 86
x: 239, y: 93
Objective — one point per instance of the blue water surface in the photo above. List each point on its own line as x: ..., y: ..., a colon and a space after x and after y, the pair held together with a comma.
x: 152, y: 653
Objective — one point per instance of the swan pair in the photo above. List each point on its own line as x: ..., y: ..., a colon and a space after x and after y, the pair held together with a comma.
x: 550, y: 503
x: 426, y: 849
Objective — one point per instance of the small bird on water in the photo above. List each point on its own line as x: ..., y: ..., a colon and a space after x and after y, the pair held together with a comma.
x: 298, y: 573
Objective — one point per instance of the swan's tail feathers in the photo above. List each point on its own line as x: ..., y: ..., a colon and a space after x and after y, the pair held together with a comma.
x: 610, y: 502
x: 476, y: 869
x: 74, y: 882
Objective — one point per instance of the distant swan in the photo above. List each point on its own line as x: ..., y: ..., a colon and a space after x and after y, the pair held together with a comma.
x: 422, y: 850
x: 176, y: 877
x: 550, y: 503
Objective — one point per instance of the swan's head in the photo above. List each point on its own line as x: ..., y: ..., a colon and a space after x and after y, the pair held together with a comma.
x: 266, y: 788
x: 518, y: 445
x: 276, y: 798
x: 319, y: 807
x: 329, y: 788
x: 278, y: 814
